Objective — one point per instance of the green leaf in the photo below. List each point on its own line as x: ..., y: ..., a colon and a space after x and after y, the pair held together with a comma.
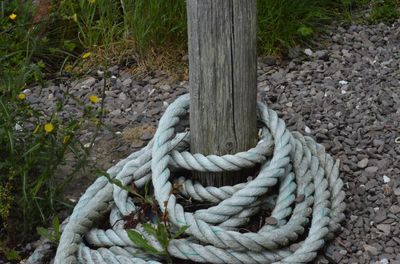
x: 181, y: 230
x: 141, y: 242
x: 12, y: 254
x: 120, y: 185
x: 45, y: 233
x: 35, y: 147
x: 150, y: 229
x: 69, y: 45
x: 41, y: 64
x: 162, y: 235
x: 56, y: 226
x: 305, y: 31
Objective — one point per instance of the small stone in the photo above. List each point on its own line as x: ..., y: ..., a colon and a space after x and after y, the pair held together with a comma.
x: 137, y: 144
x: 384, y: 261
x: 154, y: 81
x: 115, y: 112
x: 100, y: 73
x: 363, y: 179
x: 165, y: 87
x: 271, y: 220
x: 353, y: 218
x: 89, y: 81
x: 113, y: 69
x: 28, y: 247
x: 380, y: 215
x: 378, y: 142
x: 363, y: 163
x: 389, y: 250
x: 127, y: 82
x: 397, y: 191
x: 371, y: 169
x: 147, y: 136
x: 307, y: 130
x: 394, y: 209
x: 308, y: 52
x: 122, y: 96
x: 343, y: 82
x: 371, y: 184
x: 386, y: 179
x: 337, y: 256
x: 113, y: 80
x: 385, y: 228
x: 18, y: 127
x: 322, y: 54
x: 371, y: 249
x: 27, y: 92
x: 346, y: 53
x: 270, y: 61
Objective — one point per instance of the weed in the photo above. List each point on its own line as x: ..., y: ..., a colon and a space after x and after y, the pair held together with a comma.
x: 284, y: 23
x: 34, y: 144
x: 52, y: 235
x: 161, y: 233
x: 386, y: 11
x: 9, y: 253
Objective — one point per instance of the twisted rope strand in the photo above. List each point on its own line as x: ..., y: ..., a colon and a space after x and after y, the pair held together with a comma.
x: 310, y: 198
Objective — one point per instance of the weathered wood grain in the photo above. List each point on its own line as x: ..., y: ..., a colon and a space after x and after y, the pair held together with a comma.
x: 223, y: 76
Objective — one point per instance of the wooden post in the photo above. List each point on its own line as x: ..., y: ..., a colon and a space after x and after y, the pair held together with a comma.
x: 223, y: 81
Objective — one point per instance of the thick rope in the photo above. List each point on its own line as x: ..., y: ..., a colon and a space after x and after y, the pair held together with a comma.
x: 309, y: 203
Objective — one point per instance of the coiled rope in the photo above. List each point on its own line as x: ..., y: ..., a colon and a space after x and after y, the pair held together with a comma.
x: 308, y: 208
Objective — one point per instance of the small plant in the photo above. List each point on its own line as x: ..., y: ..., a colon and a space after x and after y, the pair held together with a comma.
x: 161, y: 234
x: 52, y: 235
x: 148, y: 211
x: 34, y: 145
x: 279, y: 20
x: 386, y: 11
x: 9, y: 253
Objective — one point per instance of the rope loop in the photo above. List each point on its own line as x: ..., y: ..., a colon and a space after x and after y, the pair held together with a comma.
x: 308, y: 201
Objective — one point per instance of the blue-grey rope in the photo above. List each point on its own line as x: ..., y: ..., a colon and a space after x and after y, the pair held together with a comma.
x: 310, y: 199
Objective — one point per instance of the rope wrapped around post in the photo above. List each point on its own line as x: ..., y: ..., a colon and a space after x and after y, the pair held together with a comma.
x: 309, y: 204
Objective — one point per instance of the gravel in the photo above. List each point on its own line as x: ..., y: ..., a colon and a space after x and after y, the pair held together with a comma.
x: 346, y: 95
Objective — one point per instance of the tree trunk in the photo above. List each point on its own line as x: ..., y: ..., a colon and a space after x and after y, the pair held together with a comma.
x: 223, y: 81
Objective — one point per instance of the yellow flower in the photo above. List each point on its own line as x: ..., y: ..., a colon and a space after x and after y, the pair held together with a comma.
x: 12, y: 16
x: 48, y: 127
x: 94, y: 99
x: 66, y: 139
x: 86, y: 55
x: 92, y: 1
x: 21, y: 96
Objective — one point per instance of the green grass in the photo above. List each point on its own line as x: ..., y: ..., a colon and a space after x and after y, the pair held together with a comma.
x: 386, y: 11
x: 113, y: 29
x: 156, y: 23
x: 286, y: 23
